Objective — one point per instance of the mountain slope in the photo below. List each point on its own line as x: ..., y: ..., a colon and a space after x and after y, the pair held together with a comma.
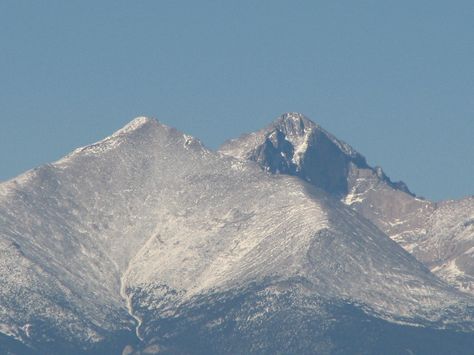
x: 295, y: 145
x: 448, y: 246
x: 148, y: 238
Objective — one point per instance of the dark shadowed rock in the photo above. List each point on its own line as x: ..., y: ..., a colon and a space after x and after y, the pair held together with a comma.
x: 295, y: 145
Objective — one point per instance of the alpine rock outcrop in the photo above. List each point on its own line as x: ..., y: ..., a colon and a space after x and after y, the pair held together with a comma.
x: 440, y: 234
x: 148, y: 242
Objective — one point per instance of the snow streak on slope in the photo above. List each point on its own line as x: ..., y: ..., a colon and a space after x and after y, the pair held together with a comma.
x: 448, y: 247
x: 125, y: 232
x: 294, y: 145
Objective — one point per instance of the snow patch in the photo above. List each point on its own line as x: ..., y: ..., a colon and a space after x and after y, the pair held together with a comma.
x: 9, y: 330
x: 133, y: 125
x: 449, y: 270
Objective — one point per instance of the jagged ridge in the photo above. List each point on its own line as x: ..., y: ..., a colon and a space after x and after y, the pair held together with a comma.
x: 149, y: 222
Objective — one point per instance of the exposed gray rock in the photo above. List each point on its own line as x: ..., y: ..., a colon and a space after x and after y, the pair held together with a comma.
x: 440, y: 235
x: 149, y: 242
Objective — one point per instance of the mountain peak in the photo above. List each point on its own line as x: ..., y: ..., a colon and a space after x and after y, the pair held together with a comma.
x: 140, y: 132
x: 295, y: 145
x: 294, y: 122
x: 135, y: 124
x: 143, y: 240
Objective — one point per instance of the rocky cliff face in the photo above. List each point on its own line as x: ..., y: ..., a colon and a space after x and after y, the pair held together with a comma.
x: 295, y: 145
x: 149, y: 242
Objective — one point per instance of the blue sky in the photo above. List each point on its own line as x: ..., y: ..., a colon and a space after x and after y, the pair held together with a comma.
x: 395, y: 79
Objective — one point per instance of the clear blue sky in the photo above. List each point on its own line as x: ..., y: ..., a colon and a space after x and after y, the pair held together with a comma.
x: 395, y: 79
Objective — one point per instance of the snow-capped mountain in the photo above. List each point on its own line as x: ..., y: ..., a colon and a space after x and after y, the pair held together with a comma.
x: 148, y: 242
x: 447, y: 248
x: 439, y: 234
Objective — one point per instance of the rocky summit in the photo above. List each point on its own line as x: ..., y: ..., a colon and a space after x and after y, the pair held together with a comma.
x: 285, y: 241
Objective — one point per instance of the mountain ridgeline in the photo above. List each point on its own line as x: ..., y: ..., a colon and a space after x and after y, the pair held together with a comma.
x: 439, y: 234
x: 283, y: 241
x: 295, y: 145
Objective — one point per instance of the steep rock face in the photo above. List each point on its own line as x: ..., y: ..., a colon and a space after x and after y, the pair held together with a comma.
x: 294, y: 145
x: 400, y: 215
x: 131, y: 243
x: 297, y: 146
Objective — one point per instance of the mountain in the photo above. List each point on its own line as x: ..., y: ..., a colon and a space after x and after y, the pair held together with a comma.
x: 447, y: 247
x: 148, y: 242
x: 439, y: 234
